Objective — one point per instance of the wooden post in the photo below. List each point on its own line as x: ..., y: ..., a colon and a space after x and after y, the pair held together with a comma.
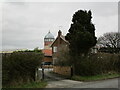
x: 36, y: 74
x: 42, y: 73
x: 71, y: 71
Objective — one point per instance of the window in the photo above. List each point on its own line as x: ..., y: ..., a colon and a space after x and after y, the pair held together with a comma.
x: 52, y: 39
x: 54, y: 49
x: 46, y: 39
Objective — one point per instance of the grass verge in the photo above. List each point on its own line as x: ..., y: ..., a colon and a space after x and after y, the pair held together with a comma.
x: 41, y: 84
x: 95, y: 78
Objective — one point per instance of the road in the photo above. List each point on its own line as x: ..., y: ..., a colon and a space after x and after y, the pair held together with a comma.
x: 58, y: 82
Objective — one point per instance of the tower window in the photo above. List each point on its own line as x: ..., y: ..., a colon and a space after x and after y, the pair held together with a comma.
x: 48, y: 39
x: 51, y: 39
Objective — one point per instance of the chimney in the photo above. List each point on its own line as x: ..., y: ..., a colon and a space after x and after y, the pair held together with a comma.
x: 59, y: 33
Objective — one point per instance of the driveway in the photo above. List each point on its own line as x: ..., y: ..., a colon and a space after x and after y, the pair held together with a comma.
x: 58, y: 82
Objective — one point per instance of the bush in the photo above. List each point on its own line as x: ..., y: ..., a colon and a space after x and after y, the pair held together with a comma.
x: 99, y: 63
x: 19, y: 67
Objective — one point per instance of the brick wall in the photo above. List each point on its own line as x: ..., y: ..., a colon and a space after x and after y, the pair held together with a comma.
x: 47, y: 59
x: 63, y: 70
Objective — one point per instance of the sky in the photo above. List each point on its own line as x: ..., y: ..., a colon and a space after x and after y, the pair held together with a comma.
x: 25, y: 24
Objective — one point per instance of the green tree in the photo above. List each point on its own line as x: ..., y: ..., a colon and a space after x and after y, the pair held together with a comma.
x: 81, y: 35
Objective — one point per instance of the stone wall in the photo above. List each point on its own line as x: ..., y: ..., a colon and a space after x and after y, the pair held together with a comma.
x: 63, y: 70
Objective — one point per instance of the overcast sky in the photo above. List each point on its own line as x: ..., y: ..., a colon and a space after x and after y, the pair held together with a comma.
x: 24, y: 24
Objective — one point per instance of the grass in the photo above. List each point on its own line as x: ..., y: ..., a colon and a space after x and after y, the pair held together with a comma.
x: 95, y: 78
x: 41, y: 84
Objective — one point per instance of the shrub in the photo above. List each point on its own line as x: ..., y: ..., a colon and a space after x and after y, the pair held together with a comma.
x: 19, y: 67
x: 99, y: 63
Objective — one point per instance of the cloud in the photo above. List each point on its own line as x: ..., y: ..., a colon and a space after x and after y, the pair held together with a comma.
x: 25, y: 24
x: 119, y: 16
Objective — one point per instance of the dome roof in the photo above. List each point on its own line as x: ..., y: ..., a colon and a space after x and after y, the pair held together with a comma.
x: 49, y: 35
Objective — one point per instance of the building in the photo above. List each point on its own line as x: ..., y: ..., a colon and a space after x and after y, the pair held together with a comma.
x: 48, y: 39
x: 52, y: 47
x: 58, y: 44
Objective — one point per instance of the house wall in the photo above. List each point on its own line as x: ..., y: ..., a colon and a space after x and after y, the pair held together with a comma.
x: 59, y: 43
x: 63, y: 70
x: 47, y: 59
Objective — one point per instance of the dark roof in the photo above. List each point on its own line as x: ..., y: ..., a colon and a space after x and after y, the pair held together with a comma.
x: 62, y: 37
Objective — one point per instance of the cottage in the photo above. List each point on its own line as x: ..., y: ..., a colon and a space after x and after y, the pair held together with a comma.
x: 58, y: 43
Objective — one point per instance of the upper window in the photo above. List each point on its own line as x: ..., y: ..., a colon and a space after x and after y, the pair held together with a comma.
x: 54, y: 49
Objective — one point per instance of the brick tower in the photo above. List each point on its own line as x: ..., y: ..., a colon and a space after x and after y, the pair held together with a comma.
x: 49, y: 38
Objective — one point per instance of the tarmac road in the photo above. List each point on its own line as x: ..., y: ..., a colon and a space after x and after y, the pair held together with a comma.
x: 58, y: 82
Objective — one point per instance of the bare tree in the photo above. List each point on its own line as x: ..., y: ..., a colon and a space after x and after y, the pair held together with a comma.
x: 110, y: 40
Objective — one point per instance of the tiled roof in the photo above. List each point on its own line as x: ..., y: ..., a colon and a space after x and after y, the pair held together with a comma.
x: 47, y: 52
x: 62, y: 37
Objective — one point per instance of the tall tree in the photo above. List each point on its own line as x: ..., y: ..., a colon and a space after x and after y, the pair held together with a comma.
x: 81, y: 35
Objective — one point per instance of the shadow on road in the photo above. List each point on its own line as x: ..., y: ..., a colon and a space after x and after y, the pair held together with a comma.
x: 50, y: 76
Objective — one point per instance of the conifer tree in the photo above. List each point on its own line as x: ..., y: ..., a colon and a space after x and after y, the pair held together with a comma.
x: 81, y: 35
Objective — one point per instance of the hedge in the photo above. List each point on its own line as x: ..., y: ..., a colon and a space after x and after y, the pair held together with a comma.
x: 96, y: 64
x: 19, y: 67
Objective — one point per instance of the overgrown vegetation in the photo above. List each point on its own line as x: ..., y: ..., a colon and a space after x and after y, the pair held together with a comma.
x: 93, y: 64
x: 19, y: 67
x: 30, y: 85
x: 109, y: 50
x: 96, y: 77
x: 96, y: 64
